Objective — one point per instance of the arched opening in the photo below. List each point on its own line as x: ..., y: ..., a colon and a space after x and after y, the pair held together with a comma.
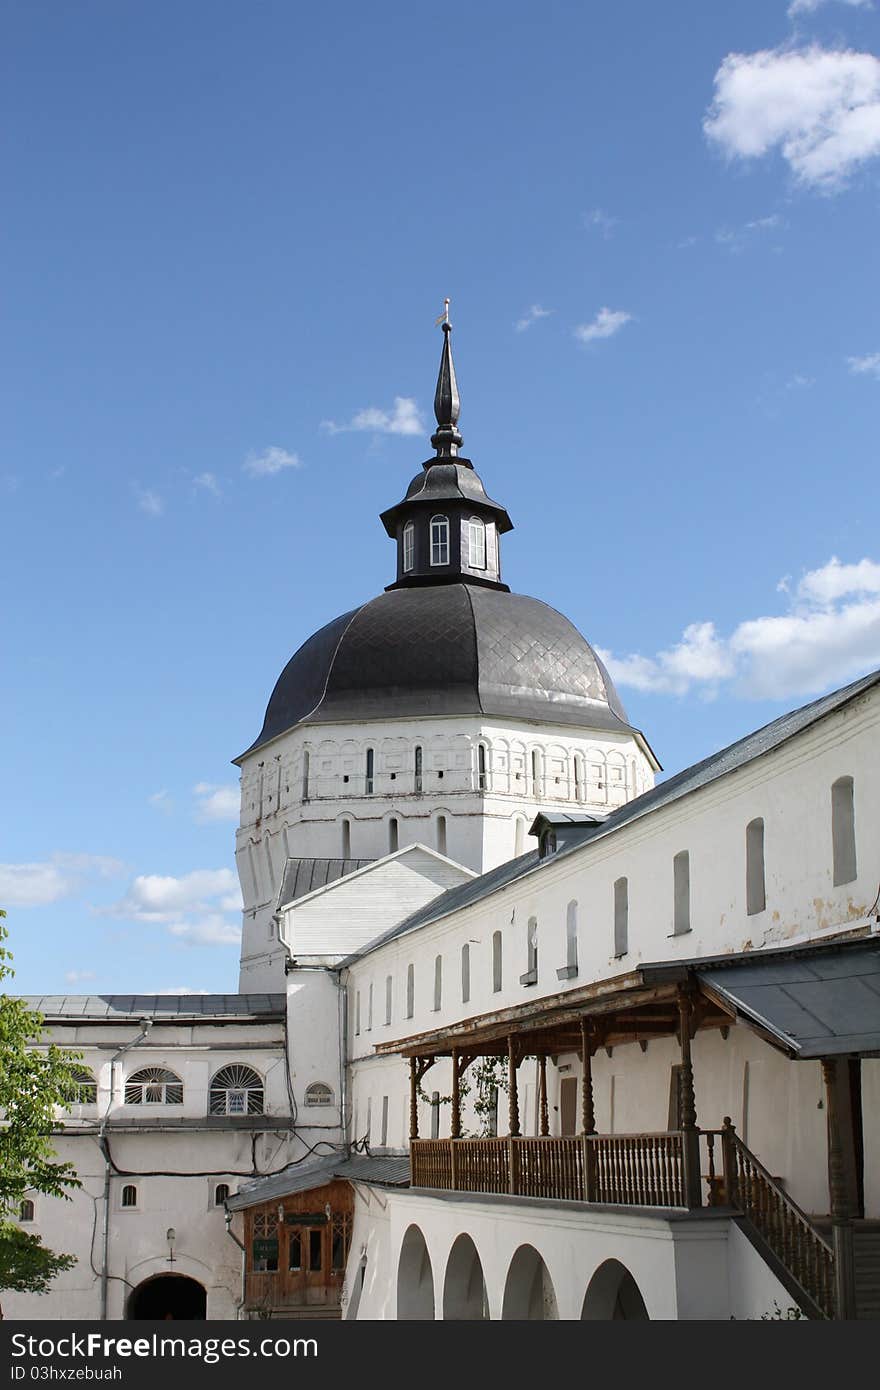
x: 415, y: 1278
x: 168, y: 1296
x: 613, y: 1293
x: 528, y: 1292
x: 464, y: 1288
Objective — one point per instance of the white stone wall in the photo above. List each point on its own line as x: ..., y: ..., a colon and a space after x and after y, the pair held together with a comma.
x: 474, y: 825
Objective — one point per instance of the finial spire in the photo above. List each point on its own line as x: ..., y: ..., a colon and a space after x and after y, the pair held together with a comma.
x: 446, y: 439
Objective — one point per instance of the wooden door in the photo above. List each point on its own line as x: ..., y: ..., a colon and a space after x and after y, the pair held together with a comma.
x: 568, y: 1101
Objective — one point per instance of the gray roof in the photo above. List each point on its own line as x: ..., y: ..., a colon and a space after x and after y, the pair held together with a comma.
x: 443, y: 650
x: 171, y: 1008
x: 303, y: 876
x: 816, y: 1005
x: 390, y: 1170
x: 692, y: 779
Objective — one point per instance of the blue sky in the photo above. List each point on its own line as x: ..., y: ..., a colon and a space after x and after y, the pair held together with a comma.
x: 229, y: 229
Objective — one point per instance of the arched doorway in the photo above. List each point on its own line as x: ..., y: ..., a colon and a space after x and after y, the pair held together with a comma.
x: 415, y: 1278
x: 529, y: 1292
x: 464, y: 1288
x: 168, y: 1296
x: 613, y: 1293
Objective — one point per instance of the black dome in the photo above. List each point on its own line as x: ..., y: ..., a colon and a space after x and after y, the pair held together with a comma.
x: 445, y: 650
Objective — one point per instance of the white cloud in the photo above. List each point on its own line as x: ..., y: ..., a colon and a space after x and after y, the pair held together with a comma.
x: 217, y: 803
x: 830, y: 635
x: 606, y: 323
x: 598, y: 217
x: 212, y: 930
x: 819, y: 107
x: 404, y: 418
x: 531, y: 316
x: 865, y: 366
x: 75, y: 977
x: 271, y: 461
x: 194, y: 908
x: 161, y: 801
x: 149, y: 502
x: 47, y: 881
x: 799, y: 382
x: 809, y: 6
x: 208, y: 483
x: 737, y: 239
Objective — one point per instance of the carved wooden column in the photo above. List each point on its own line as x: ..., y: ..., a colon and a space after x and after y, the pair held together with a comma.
x: 588, y: 1109
x: 455, y: 1118
x: 413, y: 1099
x: 687, y: 1105
x: 544, y: 1125
x: 841, y: 1182
x: 513, y: 1098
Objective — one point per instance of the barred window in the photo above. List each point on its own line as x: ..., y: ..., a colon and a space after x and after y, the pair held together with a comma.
x: 236, y: 1090
x: 154, y: 1086
x: 82, y: 1088
x: 319, y: 1093
x: 129, y: 1195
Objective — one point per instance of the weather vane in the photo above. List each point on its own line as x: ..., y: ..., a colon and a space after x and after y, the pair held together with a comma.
x: 444, y: 317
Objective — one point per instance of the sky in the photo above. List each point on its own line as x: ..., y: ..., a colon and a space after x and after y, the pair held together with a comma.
x: 228, y: 232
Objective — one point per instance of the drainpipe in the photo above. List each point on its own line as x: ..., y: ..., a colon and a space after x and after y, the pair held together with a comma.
x: 146, y: 1025
x: 232, y: 1236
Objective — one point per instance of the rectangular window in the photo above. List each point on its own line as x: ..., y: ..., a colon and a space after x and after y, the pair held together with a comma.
x: 756, y: 899
x: 465, y: 973
x: 409, y: 537
x: 294, y: 1260
x: 388, y: 988
x: 383, y: 1135
x: 438, y: 982
x: 681, y: 908
x: 368, y: 778
x: 357, y: 1013
x: 316, y: 1245
x: 496, y: 961
x: 417, y: 769
x: 410, y: 990
x: 439, y: 540
x: 621, y: 917
x: 843, y: 831
x: 476, y: 544
x: 370, y: 1007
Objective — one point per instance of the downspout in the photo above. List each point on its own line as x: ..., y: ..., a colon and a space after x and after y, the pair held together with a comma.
x: 146, y: 1025
x: 232, y: 1236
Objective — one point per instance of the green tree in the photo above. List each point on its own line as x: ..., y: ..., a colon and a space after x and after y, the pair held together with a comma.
x: 34, y: 1081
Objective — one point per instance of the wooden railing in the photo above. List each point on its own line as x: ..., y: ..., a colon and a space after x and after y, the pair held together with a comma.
x: 643, y: 1170
x: 789, y: 1233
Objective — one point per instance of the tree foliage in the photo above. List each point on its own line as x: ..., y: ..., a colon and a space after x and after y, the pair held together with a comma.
x: 35, y: 1080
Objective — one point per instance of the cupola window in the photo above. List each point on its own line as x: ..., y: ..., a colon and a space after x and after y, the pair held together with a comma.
x: 476, y: 533
x: 439, y: 540
x: 368, y: 772
x: 409, y: 546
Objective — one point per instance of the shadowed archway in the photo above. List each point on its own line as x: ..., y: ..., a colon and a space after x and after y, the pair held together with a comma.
x: 167, y: 1297
x: 415, y: 1278
x: 529, y: 1292
x: 464, y: 1288
x: 613, y: 1293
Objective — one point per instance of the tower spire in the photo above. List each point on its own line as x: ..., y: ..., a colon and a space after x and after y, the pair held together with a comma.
x: 446, y: 439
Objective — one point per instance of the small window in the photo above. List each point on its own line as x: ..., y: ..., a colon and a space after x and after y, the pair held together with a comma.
x: 476, y: 543
x: 346, y: 839
x: 441, y: 834
x: 357, y: 1012
x: 482, y: 781
x: 409, y: 547
x: 393, y: 835
x: 370, y: 1008
x: 843, y: 831
x: 519, y: 833
x: 306, y: 765
x: 410, y: 990
x: 294, y: 1252
x: 154, y: 1086
x: 756, y: 899
x: 236, y: 1090
x: 571, y: 935
x: 537, y: 780
x: 579, y: 777
x: 83, y: 1089
x: 389, y: 986
x: 417, y: 768
x: 221, y: 1192
x: 496, y: 961
x: 316, y: 1249
x: 368, y: 777
x: 438, y: 982
x: 621, y: 917
x: 129, y: 1195
x: 319, y: 1093
x: 383, y: 1132
x: 681, y: 911
x: 26, y: 1210
x: 439, y: 540
x: 531, y: 975
x: 465, y: 973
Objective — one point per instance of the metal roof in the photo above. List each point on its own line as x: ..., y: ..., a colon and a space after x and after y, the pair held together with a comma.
x: 390, y: 1170
x: 692, y: 779
x: 171, y: 1008
x: 444, y: 650
x: 819, y: 1005
x: 302, y: 876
